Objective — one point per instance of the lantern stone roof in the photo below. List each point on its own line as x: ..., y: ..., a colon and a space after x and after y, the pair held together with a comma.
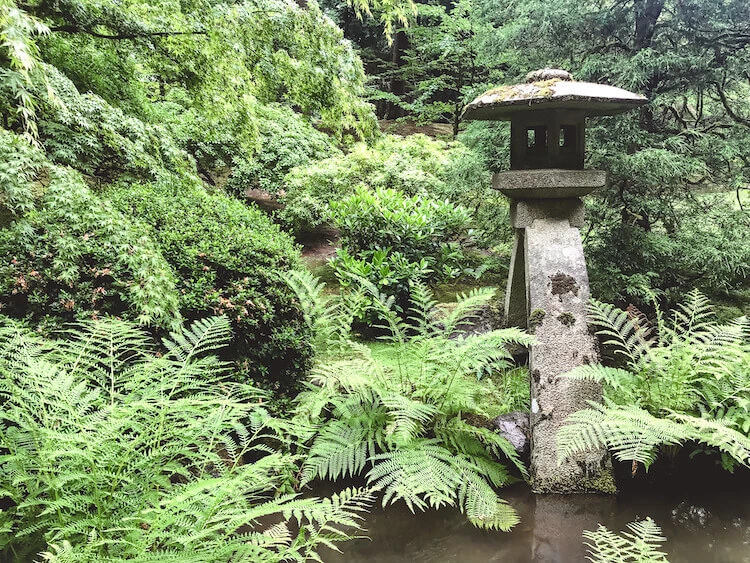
x: 551, y: 89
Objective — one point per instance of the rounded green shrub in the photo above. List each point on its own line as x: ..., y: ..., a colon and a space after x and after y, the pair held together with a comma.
x: 229, y: 258
x: 412, y: 165
x: 417, y: 226
x: 66, y: 253
x: 394, y: 240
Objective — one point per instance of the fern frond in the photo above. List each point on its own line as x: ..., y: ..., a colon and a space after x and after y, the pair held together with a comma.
x: 407, y: 418
x: 466, y: 309
x: 632, y: 434
x: 716, y: 434
x: 340, y: 449
x: 482, y: 506
x: 694, y: 315
x: 421, y: 474
x: 422, y: 305
x: 625, y: 332
x: 100, y: 349
x: 612, y: 377
x: 641, y: 545
x: 202, y: 336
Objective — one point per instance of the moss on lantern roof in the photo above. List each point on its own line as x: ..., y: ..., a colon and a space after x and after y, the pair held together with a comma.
x: 551, y: 89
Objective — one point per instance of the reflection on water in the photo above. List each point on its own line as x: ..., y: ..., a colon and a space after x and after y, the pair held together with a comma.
x: 701, y: 526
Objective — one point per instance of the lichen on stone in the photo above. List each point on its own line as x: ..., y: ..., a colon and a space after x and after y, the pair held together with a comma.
x: 540, y: 89
x: 535, y: 319
x: 567, y: 318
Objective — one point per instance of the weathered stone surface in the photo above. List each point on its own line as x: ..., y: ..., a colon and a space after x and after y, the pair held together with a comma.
x: 558, y: 285
x: 516, y: 310
x: 514, y: 427
x: 546, y: 183
x: 504, y: 102
x: 524, y: 212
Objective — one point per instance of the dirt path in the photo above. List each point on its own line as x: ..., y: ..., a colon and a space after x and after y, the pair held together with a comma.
x: 317, y: 246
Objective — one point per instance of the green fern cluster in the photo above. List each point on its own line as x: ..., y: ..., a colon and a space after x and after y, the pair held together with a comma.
x: 112, y: 452
x: 406, y: 427
x: 640, y: 545
x: 682, y: 378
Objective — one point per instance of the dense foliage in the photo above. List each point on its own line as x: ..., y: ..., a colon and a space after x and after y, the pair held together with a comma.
x: 683, y: 378
x: 228, y: 259
x: 677, y: 169
x: 410, y: 427
x: 132, y: 135
x: 114, y: 453
x: 414, y: 165
x: 66, y: 253
x: 395, y: 241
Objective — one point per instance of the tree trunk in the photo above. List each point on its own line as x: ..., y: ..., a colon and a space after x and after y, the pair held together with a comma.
x: 398, y: 86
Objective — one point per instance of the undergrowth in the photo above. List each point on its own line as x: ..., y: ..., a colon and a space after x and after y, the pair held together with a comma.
x: 404, y: 424
x: 112, y: 452
x: 681, y: 378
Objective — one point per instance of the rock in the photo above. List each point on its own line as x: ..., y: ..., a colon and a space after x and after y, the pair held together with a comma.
x: 514, y: 427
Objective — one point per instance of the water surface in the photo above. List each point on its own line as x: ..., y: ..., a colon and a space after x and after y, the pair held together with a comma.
x: 704, y: 523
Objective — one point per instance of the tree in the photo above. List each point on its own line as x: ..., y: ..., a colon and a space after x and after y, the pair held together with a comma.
x: 654, y: 226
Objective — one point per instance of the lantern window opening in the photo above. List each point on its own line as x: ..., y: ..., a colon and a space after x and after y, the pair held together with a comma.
x: 536, y: 138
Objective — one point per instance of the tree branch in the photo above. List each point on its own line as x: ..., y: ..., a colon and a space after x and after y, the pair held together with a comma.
x: 730, y: 112
x: 122, y: 36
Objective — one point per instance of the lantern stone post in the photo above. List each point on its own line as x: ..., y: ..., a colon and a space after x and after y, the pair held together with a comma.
x: 548, y: 285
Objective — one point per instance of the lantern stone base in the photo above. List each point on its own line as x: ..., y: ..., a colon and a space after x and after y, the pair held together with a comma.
x: 548, y: 288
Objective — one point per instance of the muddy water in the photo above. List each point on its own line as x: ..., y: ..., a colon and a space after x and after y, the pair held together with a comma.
x: 703, y: 525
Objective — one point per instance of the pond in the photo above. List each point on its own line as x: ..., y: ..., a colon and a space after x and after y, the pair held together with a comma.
x: 703, y: 524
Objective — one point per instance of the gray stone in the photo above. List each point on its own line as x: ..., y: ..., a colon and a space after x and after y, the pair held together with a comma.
x: 558, y: 285
x: 505, y: 102
x: 548, y: 183
x: 514, y: 427
x: 516, y: 309
x: 523, y: 213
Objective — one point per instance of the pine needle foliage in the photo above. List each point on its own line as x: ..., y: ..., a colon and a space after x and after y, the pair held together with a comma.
x: 111, y: 452
x: 640, y: 545
x: 404, y: 427
x: 682, y: 378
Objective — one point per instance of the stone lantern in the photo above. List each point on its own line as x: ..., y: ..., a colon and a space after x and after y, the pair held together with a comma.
x: 548, y: 284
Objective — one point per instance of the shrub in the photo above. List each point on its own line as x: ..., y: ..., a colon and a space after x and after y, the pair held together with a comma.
x: 412, y: 165
x: 418, y: 227
x: 72, y: 255
x: 229, y: 259
x: 287, y: 139
x: 394, y: 241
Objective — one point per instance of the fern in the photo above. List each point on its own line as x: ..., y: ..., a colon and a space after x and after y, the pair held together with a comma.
x: 640, y: 545
x: 113, y: 453
x: 685, y: 379
x: 403, y: 426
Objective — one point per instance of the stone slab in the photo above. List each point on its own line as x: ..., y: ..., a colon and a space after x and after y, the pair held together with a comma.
x: 548, y: 183
x: 524, y: 212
